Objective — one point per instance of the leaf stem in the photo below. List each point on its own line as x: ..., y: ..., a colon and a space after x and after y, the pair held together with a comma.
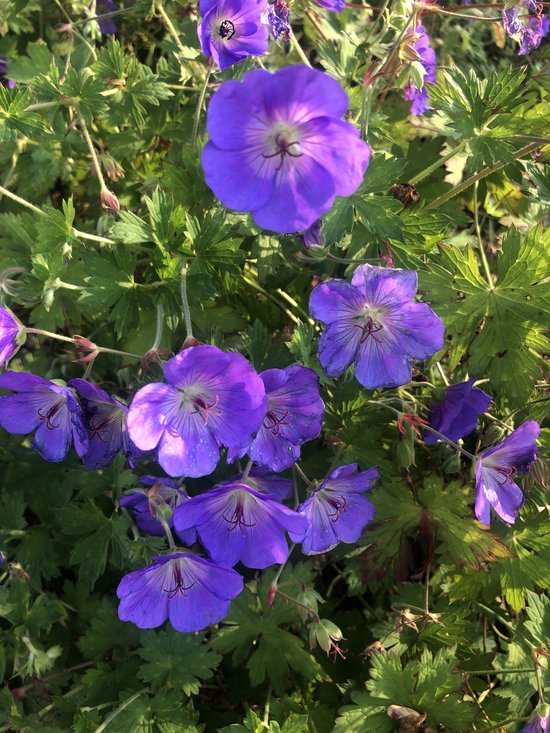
x: 118, y: 710
x: 438, y: 163
x: 19, y: 200
x: 198, y: 110
x: 303, y: 476
x: 294, y: 43
x: 185, y: 302
x: 169, y: 25
x: 91, y: 148
x: 480, y: 240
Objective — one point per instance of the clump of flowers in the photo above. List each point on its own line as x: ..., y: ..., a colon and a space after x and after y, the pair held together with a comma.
x: 279, y: 148
x: 231, y: 30
x: 525, y: 22
x: 417, y: 51
x: 374, y: 324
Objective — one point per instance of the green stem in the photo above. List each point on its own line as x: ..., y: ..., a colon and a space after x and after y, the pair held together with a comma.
x: 185, y: 302
x: 167, y: 530
x: 282, y: 567
x: 480, y: 240
x: 198, y: 110
x: 119, y: 709
x: 500, y: 726
x: 271, y: 297
x: 304, y: 477
x: 93, y: 153
x: 159, y: 327
x: 479, y: 176
x: 431, y: 168
x: 247, y: 470
x: 169, y: 25
x: 50, y: 334
x: 19, y: 200
x: 517, y: 670
x: 296, y: 46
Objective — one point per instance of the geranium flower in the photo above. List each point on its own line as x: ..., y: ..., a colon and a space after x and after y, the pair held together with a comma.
x: 3, y: 71
x: 212, y: 398
x: 337, y: 511
x: 237, y: 524
x: 186, y: 589
x: 106, y: 25
x: 374, y: 323
x: 496, y: 468
x: 12, y: 335
x: 105, y: 420
x: 294, y: 416
x: 426, y: 64
x: 48, y: 408
x: 456, y: 415
x: 528, y: 30
x: 231, y: 30
x: 278, y: 19
x: 279, y: 149
x: 144, y: 505
x: 539, y: 724
x: 335, y: 5
x: 261, y: 480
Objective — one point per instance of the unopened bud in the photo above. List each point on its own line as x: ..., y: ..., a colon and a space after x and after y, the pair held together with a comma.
x: 494, y: 434
x: 271, y: 595
x: 309, y: 603
x: 404, y: 454
x: 452, y: 464
x: 109, y: 200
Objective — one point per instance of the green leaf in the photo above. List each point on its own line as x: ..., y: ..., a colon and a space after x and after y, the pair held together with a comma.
x: 174, y: 660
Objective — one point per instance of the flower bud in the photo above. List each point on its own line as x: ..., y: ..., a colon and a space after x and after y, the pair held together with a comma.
x: 404, y: 454
x: 493, y: 434
x: 109, y: 200
x: 308, y: 599
x: 325, y: 633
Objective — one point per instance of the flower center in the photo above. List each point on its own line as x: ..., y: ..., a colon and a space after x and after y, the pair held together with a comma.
x: 339, y: 506
x: 274, y: 422
x: 369, y: 323
x: 226, y: 30
x: 179, y: 585
x: 48, y: 413
x: 237, y: 518
x: 102, y: 422
x: 283, y: 141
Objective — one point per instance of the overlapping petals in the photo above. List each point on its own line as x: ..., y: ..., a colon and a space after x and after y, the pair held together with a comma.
x: 231, y: 30
x: 456, y: 415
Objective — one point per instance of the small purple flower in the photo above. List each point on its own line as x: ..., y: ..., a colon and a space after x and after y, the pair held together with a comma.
x: 48, y: 408
x: 12, y: 335
x: 425, y: 55
x: 496, y: 468
x: 539, y: 724
x: 335, y: 5
x: 336, y: 511
x: 231, y: 30
x: 105, y: 420
x: 237, y: 524
x: 144, y: 504
x: 3, y: 71
x: 186, y: 589
x: 106, y: 25
x: 374, y: 323
x: 456, y: 415
x: 528, y: 30
x: 278, y: 19
x: 212, y: 398
x: 313, y: 237
x: 294, y: 416
x: 279, y: 149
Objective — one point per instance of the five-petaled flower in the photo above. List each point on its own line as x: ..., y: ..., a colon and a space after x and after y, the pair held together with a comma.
x: 231, y: 30
x: 279, y: 148
x: 190, y: 591
x: 337, y: 511
x: 294, y: 416
x: 236, y: 523
x: 53, y: 411
x: 212, y: 398
x: 456, y: 415
x: 374, y: 323
x: 495, y: 471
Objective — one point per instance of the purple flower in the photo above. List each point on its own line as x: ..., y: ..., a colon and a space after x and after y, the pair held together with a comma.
x: 105, y: 420
x: 212, y: 398
x: 374, y: 323
x: 313, y: 237
x: 336, y: 511
x: 278, y: 19
x: 539, y: 724
x: 51, y: 410
x: 12, y: 335
x: 264, y: 482
x: 456, y: 415
x: 495, y: 470
x: 528, y: 30
x: 279, y: 149
x: 336, y: 5
x: 186, y: 589
x: 144, y: 504
x: 106, y: 25
x: 236, y: 523
x: 231, y: 30
x: 425, y: 56
x: 294, y: 416
x: 3, y: 71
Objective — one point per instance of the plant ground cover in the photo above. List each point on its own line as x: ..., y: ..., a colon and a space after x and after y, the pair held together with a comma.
x: 274, y: 299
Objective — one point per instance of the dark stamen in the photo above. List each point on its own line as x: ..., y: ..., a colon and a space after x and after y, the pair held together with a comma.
x: 227, y: 30
x: 273, y: 423
x: 50, y: 414
x: 369, y: 329
x: 203, y: 408
x: 339, y: 506
x: 283, y: 149
x: 179, y: 587
x: 237, y: 519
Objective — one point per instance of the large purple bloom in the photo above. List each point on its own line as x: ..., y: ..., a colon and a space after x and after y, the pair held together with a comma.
x: 3, y: 71
x: 456, y: 415
x: 528, y: 29
x: 495, y: 470
x: 12, y: 334
x: 236, y: 523
x: 374, y: 323
x: 212, y: 398
x: 48, y: 408
x: 337, y: 511
x: 186, y: 589
x: 294, y: 416
x: 231, y: 30
x: 105, y: 420
x: 163, y: 492
x: 279, y: 148
x: 425, y: 54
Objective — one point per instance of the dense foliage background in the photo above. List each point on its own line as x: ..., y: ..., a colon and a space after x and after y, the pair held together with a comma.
x: 439, y: 614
